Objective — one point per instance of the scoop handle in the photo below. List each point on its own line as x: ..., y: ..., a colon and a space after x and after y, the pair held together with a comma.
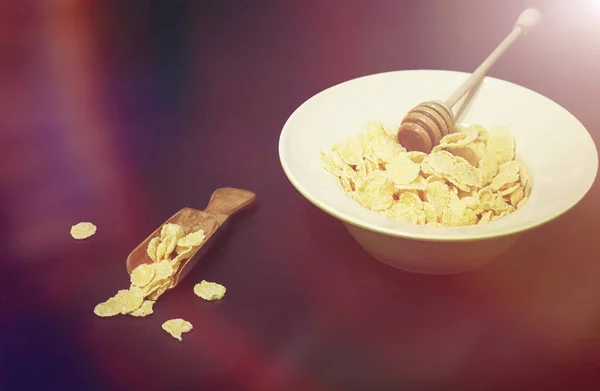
x: 526, y: 21
x: 228, y: 201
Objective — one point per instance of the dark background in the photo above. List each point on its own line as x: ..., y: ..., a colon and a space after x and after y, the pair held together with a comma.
x: 123, y: 112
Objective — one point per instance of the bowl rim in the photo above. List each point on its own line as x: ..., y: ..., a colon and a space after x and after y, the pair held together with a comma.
x: 430, y: 237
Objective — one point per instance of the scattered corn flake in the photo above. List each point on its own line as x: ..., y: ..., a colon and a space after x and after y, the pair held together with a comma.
x: 176, y: 327
x: 209, y: 290
x: 83, y: 230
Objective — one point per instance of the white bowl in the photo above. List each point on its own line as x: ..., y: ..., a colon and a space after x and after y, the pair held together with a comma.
x: 556, y: 148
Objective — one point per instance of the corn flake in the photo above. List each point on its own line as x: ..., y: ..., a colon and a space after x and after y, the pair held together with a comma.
x: 471, y: 177
x: 83, y: 230
x: 501, y: 145
x: 152, y: 248
x: 176, y: 327
x: 192, y: 239
x: 402, y: 170
x: 209, y: 290
x: 144, y: 310
x: 142, y: 275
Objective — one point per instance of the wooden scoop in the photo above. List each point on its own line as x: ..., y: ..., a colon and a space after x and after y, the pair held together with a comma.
x: 224, y: 203
x: 424, y: 125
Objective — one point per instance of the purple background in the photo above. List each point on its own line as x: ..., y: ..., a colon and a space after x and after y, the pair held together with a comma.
x: 123, y: 112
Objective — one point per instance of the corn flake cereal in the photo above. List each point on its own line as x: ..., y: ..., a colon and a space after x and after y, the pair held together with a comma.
x: 83, y: 230
x: 150, y: 280
x: 209, y: 290
x: 193, y: 239
x: 144, y: 310
x: 176, y: 327
x: 142, y: 275
x: 471, y: 177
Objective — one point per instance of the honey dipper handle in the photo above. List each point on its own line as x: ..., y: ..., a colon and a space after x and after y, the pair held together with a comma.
x: 527, y: 20
x: 228, y: 201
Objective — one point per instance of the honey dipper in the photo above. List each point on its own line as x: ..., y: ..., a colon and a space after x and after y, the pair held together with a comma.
x: 424, y: 125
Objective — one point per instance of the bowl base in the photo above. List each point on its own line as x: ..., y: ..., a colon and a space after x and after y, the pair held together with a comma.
x: 429, y: 257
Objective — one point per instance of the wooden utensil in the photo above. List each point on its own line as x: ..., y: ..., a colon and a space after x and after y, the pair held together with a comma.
x: 424, y: 125
x: 223, y: 204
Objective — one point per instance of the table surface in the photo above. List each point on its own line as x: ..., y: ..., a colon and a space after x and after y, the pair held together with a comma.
x: 121, y: 114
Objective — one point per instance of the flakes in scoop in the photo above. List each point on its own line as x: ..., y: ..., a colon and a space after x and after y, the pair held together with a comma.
x: 152, y: 248
x: 161, y: 249
x: 163, y: 270
x: 142, y: 275
x: 192, y: 239
x: 83, y: 230
x: 176, y: 327
x: 209, y: 290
